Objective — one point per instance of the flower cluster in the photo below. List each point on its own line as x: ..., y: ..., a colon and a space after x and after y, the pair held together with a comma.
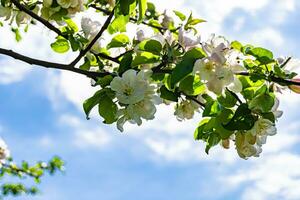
x: 250, y: 143
x: 54, y: 9
x: 135, y: 95
x: 219, y: 67
x: 90, y: 29
x: 9, y: 14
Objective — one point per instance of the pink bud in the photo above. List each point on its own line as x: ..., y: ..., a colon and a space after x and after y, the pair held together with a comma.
x: 295, y: 88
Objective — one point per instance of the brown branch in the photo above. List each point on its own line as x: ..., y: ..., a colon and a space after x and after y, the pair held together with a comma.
x: 32, y: 61
x: 194, y: 99
x: 107, y: 57
x: 91, y: 44
x: 274, y: 79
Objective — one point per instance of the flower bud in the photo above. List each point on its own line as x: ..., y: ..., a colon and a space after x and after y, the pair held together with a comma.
x: 226, y: 144
x: 295, y: 88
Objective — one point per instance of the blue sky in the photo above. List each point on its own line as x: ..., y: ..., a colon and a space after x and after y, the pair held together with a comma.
x: 41, y: 116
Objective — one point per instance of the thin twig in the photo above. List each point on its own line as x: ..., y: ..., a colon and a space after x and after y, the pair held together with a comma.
x: 91, y: 44
x: 32, y: 61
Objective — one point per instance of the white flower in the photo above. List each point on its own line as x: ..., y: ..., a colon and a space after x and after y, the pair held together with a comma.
x: 5, y: 12
x: 68, y: 3
x: 167, y: 20
x: 222, y: 78
x: 137, y: 95
x: 205, y: 68
x: 277, y: 113
x: 219, y: 67
x: 216, y: 47
x: 245, y: 145
x: 188, y: 40
x: 140, y: 35
x: 235, y: 60
x: 22, y: 18
x: 261, y: 129
x: 186, y: 110
x: 90, y: 29
x: 132, y: 88
x: 4, y: 151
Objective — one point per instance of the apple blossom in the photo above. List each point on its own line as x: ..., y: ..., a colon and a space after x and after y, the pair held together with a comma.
x: 186, y: 110
x: 90, y: 29
x: 4, y: 151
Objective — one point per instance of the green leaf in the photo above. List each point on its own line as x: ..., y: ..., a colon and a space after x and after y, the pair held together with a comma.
x: 181, y: 16
x: 212, y: 109
x: 242, y: 119
x: 228, y: 100
x: 118, y: 24
x: 168, y: 95
x: 142, y: 9
x: 86, y: 65
x: 108, y: 109
x: 237, y: 45
x: 185, y: 67
x: 18, y: 36
x: 213, y: 140
x: 145, y: 58
x: 105, y: 81
x: 264, y: 56
x: 60, y: 45
x: 192, y: 85
x: 200, y: 132
x: 152, y: 46
x: 126, y: 7
x: 91, y: 102
x: 120, y: 40
x: 263, y: 102
x: 72, y: 25
x: 223, y: 118
x: 125, y: 63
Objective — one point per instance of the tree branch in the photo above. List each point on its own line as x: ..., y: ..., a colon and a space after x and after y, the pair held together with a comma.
x: 107, y: 57
x: 91, y: 44
x: 274, y: 79
x: 32, y: 61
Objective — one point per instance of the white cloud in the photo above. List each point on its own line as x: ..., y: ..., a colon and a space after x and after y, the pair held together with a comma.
x: 86, y: 136
x: 267, y: 37
x: 273, y: 177
x: 12, y: 71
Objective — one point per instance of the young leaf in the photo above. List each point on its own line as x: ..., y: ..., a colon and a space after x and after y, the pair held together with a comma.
x: 60, y: 46
x: 152, y: 46
x: 142, y: 9
x: 91, y: 102
x: 181, y: 16
x: 242, y: 119
x: 186, y: 66
x: 120, y: 40
x: 108, y: 109
x: 262, y: 55
x: 144, y: 58
x: 168, y: 95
